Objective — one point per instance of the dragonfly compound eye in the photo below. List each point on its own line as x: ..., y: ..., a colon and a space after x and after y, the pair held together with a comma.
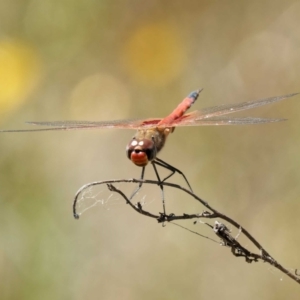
x: 140, y: 152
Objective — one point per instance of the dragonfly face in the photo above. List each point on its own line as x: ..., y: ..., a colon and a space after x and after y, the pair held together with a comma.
x: 146, y: 144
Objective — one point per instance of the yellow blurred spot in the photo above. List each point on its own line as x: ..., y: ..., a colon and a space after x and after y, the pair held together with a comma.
x: 100, y: 97
x: 19, y: 70
x: 154, y: 54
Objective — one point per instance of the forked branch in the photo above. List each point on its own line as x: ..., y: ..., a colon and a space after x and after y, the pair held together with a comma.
x: 220, y: 229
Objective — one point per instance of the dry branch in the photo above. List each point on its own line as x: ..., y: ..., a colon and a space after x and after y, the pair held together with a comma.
x: 219, y: 228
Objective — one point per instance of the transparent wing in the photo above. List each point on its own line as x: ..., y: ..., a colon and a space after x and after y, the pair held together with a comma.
x: 80, y: 125
x: 206, y: 116
x: 224, y: 109
x: 226, y: 121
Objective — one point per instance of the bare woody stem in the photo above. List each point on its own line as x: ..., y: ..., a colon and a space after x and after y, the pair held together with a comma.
x: 219, y: 229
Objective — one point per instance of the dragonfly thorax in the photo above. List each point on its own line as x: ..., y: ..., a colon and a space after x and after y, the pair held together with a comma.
x: 145, y: 145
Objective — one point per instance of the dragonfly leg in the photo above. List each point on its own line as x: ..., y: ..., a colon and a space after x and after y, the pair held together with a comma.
x: 173, y: 170
x: 139, y: 186
x: 161, y: 187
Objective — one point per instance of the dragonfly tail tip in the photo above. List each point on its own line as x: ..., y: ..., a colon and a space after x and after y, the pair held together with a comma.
x: 195, y: 94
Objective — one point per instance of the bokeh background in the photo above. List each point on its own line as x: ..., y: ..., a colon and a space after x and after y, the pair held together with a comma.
x: 103, y: 60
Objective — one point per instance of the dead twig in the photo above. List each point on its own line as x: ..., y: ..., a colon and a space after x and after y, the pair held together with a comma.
x: 220, y: 229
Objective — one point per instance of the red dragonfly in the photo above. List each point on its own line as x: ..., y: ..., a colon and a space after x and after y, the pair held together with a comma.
x: 152, y: 133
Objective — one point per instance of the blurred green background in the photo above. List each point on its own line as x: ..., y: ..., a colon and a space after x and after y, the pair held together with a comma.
x: 103, y: 60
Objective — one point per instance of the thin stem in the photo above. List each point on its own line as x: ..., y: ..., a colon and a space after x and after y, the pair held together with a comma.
x: 219, y: 229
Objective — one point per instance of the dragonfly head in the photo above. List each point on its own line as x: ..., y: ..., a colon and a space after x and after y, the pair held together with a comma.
x: 141, y: 151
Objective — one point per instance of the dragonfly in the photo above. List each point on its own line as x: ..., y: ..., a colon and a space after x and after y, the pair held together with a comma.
x: 152, y: 133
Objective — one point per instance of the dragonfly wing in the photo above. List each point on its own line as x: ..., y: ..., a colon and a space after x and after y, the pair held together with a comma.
x: 123, y: 124
x: 84, y: 125
x: 226, y: 121
x: 231, y: 108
